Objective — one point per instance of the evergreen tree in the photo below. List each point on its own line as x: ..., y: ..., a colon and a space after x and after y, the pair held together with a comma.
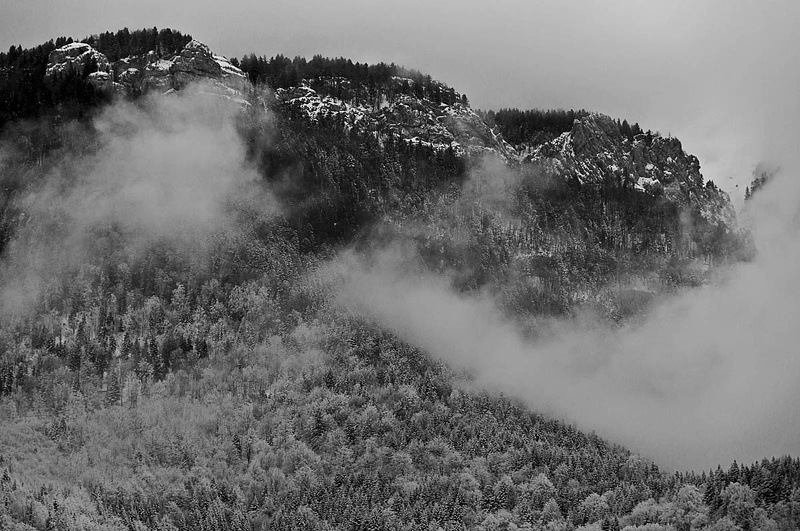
x: 113, y: 393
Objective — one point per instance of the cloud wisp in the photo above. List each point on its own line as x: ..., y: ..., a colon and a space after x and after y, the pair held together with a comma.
x: 168, y: 170
x: 708, y: 377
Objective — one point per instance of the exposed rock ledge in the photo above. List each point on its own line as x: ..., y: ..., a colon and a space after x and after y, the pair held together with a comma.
x: 140, y: 74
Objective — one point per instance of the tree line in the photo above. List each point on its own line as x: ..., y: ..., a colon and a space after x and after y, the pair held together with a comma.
x: 24, y: 94
x: 281, y: 72
x: 536, y: 126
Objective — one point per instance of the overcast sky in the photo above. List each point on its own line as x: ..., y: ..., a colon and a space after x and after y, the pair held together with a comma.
x: 720, y: 75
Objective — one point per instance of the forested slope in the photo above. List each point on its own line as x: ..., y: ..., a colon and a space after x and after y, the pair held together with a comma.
x: 172, y: 367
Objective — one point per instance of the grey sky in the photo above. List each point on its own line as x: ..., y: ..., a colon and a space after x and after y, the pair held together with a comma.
x: 719, y: 75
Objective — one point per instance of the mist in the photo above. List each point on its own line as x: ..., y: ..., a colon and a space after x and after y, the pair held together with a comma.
x: 165, y: 170
x: 709, y: 376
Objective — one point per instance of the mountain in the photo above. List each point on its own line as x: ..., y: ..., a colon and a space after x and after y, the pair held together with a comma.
x: 174, y: 355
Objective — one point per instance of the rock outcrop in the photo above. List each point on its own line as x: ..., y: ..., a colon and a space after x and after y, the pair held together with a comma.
x: 76, y: 58
x: 141, y: 74
x: 103, y: 81
x: 594, y: 152
x: 415, y: 121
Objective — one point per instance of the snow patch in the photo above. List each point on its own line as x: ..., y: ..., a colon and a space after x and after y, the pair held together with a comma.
x: 76, y: 46
x: 162, y: 65
x: 227, y: 67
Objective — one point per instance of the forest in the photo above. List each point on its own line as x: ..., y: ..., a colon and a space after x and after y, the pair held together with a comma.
x: 207, y: 379
x: 24, y: 93
x: 371, y: 81
x: 535, y: 126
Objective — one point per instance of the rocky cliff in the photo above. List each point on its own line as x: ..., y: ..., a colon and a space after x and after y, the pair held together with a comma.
x: 415, y: 121
x: 132, y: 76
x: 595, y: 153
x: 75, y: 59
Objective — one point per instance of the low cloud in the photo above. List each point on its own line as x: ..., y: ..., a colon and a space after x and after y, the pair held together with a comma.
x: 166, y: 170
x: 710, y: 375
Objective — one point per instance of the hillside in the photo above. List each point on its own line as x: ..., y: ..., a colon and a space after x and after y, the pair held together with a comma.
x: 176, y: 352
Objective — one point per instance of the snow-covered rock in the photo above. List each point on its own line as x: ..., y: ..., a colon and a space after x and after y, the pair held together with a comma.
x: 418, y: 122
x: 158, y: 76
x: 233, y: 76
x: 148, y: 72
x: 195, y: 62
x: 77, y: 58
x: 595, y: 153
x: 104, y: 82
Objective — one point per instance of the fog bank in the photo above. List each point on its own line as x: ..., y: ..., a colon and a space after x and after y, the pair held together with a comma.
x: 166, y: 170
x: 710, y: 376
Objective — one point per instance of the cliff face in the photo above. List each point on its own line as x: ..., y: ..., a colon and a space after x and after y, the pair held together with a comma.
x: 132, y: 76
x: 413, y: 120
x: 594, y: 153
x: 74, y: 58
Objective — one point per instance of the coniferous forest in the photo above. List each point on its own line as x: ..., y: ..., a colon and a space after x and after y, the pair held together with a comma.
x: 205, y: 377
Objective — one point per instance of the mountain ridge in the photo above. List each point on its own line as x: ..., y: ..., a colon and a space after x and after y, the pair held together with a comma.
x: 439, y: 126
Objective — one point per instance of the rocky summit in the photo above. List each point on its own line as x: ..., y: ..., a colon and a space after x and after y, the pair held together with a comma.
x: 594, y: 152
x: 149, y: 72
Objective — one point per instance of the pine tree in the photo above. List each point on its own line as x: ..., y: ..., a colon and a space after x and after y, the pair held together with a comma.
x: 155, y: 359
x: 625, y: 129
x: 127, y: 346
x: 114, y: 390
